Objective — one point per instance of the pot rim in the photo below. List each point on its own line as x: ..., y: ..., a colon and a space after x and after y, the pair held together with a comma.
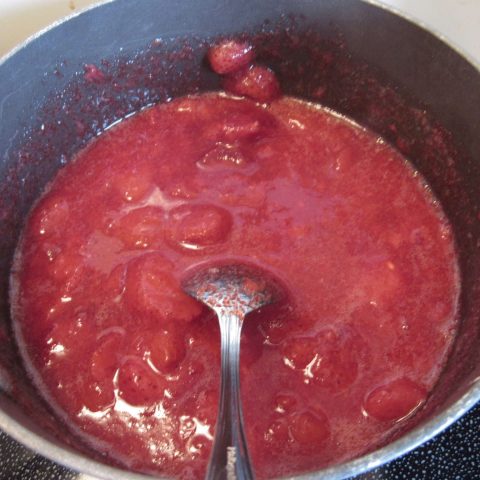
x: 408, y: 442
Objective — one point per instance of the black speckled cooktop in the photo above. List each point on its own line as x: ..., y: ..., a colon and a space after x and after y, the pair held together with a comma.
x: 453, y: 455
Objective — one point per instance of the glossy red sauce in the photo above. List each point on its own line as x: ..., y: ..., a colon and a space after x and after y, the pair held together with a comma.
x: 132, y: 363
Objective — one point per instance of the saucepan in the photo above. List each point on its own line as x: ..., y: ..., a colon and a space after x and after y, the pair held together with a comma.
x: 64, y: 86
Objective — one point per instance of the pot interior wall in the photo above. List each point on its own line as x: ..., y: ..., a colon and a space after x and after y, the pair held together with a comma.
x: 358, y: 59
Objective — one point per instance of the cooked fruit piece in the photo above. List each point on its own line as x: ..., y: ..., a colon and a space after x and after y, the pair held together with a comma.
x: 257, y: 82
x: 395, y: 400
x: 230, y: 56
x: 152, y: 291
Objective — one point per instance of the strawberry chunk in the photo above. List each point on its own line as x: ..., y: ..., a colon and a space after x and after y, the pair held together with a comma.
x: 132, y: 185
x: 97, y: 396
x: 104, y: 361
x: 284, y: 403
x: 299, y: 352
x: 337, y: 363
x: 330, y: 359
x: 241, y: 126
x: 395, y: 400
x: 114, y: 284
x: 138, y: 384
x: 140, y: 228
x: 222, y: 157
x: 68, y: 332
x: 310, y: 430
x: 277, y: 435
x: 230, y: 56
x: 257, y: 82
x: 199, y: 226
x: 167, y: 350
x: 152, y: 291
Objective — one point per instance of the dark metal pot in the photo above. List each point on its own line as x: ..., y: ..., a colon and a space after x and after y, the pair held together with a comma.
x: 353, y: 55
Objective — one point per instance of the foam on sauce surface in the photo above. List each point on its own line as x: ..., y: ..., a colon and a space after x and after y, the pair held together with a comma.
x: 132, y: 363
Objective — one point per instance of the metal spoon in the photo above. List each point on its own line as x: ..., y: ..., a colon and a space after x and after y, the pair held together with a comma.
x: 232, y: 291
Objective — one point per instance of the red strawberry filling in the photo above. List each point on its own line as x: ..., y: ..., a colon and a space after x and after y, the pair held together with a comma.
x: 133, y: 362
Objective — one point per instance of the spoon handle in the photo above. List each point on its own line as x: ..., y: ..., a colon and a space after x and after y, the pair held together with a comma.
x: 229, y: 459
